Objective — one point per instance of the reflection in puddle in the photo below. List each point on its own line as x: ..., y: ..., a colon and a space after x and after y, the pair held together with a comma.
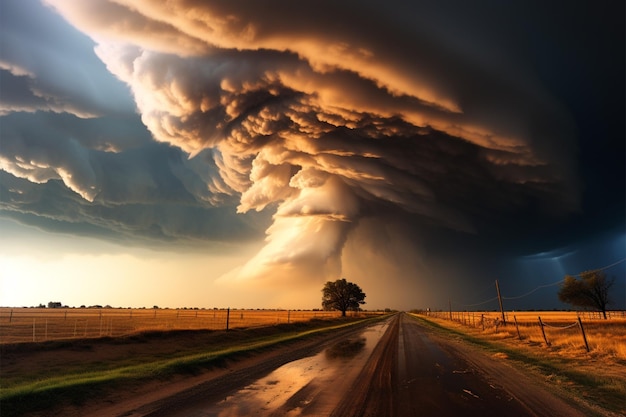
x: 303, y: 386
x: 346, y: 348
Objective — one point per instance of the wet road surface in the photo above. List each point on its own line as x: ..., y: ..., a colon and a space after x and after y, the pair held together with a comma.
x: 398, y: 368
x: 312, y: 386
x: 416, y: 377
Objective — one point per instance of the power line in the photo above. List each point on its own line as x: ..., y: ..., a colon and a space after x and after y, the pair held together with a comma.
x: 532, y: 291
x: 477, y: 304
x: 561, y: 280
x: 603, y: 268
x: 537, y: 288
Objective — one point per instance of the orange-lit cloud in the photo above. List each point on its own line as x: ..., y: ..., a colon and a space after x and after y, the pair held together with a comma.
x: 328, y: 124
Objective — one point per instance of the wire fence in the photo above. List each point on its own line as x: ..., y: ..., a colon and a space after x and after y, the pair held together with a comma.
x: 611, y: 331
x: 563, y: 328
x: 524, y: 316
x: 43, y: 324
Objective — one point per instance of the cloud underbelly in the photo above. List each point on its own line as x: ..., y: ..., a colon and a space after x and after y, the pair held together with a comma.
x: 327, y: 127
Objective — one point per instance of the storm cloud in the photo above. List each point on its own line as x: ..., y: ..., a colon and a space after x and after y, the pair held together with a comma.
x: 333, y: 118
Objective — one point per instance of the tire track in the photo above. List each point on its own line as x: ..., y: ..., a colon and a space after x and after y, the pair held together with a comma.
x: 372, y: 394
x: 413, y: 372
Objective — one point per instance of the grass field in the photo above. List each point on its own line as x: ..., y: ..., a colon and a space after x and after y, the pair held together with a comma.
x: 38, y: 376
x: 42, y: 324
x: 561, y: 329
x: 597, y: 376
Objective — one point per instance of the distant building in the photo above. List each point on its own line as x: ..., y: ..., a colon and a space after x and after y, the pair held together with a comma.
x: 54, y: 304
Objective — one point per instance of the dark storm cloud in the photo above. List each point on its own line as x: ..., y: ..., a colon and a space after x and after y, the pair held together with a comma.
x: 105, y: 177
x: 75, y: 156
x: 48, y: 65
x: 336, y: 122
x: 335, y: 117
x: 154, y: 205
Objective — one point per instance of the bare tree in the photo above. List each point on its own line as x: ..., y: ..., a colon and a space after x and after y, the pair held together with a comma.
x: 591, y: 290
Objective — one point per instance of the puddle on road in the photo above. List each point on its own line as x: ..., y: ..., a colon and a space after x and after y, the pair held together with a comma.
x: 298, y: 387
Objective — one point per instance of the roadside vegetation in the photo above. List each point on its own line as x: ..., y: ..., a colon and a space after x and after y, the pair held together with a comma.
x: 597, y: 377
x: 74, y: 381
x: 61, y: 323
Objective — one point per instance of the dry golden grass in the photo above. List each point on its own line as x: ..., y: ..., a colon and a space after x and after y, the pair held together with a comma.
x: 605, y: 338
x: 597, y: 376
x: 42, y: 324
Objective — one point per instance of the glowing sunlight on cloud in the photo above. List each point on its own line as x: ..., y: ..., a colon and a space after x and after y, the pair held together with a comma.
x: 325, y: 127
x: 290, y: 143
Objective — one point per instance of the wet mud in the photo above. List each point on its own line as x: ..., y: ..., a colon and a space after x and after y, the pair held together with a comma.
x: 305, y: 387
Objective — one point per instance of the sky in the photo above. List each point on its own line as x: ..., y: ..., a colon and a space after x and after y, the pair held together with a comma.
x: 241, y: 154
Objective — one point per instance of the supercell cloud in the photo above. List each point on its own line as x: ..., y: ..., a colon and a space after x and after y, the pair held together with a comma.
x: 332, y: 117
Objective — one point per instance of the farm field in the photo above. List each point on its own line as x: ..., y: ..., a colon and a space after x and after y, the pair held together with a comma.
x: 562, y: 332
x: 19, y: 325
x: 398, y: 362
x: 83, y: 372
x: 558, y: 354
x: 597, y: 375
x: 154, y: 373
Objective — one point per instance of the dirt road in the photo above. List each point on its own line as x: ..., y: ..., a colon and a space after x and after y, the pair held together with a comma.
x: 399, y: 368
x: 417, y: 373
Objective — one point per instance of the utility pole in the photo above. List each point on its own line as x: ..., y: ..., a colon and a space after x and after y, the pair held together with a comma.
x: 500, y: 302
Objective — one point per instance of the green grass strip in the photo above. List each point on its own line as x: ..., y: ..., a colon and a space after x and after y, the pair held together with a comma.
x: 154, y: 369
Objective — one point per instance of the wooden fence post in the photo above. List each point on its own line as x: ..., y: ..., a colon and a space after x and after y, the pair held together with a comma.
x: 482, y: 321
x: 543, y: 332
x: 582, y: 330
x: 517, y: 327
x: 11, y: 316
x: 227, y: 317
x: 500, y: 302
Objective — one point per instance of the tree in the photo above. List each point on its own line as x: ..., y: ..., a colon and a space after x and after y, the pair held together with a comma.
x: 342, y: 295
x: 591, y: 290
